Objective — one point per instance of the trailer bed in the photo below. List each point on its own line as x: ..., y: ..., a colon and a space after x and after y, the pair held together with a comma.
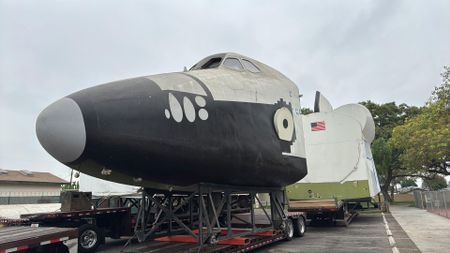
x: 329, y: 210
x: 312, y: 205
x: 21, y: 238
x: 155, y: 246
x: 73, y: 214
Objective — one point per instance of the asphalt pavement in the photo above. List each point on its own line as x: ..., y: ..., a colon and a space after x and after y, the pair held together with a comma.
x: 367, y: 233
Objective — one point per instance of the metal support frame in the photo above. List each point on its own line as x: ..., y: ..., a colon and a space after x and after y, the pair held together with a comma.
x: 206, y: 214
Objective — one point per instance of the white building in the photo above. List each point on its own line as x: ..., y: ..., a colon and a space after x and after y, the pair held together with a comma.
x: 28, y: 187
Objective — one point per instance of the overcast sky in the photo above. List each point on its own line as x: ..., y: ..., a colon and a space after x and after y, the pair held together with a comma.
x: 349, y: 50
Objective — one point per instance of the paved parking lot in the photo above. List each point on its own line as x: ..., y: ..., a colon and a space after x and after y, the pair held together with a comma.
x: 367, y: 233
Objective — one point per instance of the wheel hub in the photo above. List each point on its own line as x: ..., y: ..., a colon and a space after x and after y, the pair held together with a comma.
x: 88, y: 239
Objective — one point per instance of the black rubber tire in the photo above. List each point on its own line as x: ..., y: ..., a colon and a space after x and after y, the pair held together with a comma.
x: 88, y: 232
x: 299, y: 227
x: 289, y: 229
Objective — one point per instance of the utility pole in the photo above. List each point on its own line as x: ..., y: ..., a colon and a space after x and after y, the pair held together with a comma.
x: 71, y: 177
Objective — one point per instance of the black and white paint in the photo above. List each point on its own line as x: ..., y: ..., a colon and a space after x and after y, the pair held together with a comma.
x: 187, y: 109
x: 202, y: 126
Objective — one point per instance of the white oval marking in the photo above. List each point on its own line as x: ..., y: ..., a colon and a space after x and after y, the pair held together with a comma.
x: 189, y: 109
x: 175, y: 108
x: 203, y: 114
x: 200, y: 101
x: 167, y: 113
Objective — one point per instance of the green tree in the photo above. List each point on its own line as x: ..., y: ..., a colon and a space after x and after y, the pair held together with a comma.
x: 435, y: 183
x: 407, y: 182
x: 306, y: 110
x: 424, y: 141
x: 382, y: 156
x: 389, y: 115
x: 72, y: 186
x: 386, y: 117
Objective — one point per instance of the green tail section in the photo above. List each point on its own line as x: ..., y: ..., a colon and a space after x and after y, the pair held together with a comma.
x: 348, y: 190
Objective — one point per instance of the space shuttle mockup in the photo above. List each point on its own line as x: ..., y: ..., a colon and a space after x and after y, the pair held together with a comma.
x: 228, y: 120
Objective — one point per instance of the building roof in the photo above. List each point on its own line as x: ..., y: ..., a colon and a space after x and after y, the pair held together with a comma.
x: 29, y: 176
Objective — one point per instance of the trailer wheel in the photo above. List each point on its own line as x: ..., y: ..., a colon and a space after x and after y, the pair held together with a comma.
x: 299, y: 227
x: 289, y: 229
x: 89, y: 238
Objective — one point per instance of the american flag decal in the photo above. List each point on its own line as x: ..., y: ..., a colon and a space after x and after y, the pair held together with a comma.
x: 318, y: 126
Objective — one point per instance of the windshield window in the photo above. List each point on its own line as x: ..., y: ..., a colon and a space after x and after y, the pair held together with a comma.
x: 233, y: 63
x: 213, y: 63
x: 209, y: 62
x: 250, y: 66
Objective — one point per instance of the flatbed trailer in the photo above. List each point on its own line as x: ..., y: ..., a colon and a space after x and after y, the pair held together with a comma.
x: 93, y: 225
x: 246, y: 243
x: 165, y: 244
x: 35, y: 239
x: 213, y: 219
x: 170, y: 222
x: 336, y: 212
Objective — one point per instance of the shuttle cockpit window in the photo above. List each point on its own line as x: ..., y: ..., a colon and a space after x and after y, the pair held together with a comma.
x: 250, y: 66
x: 233, y: 63
x: 208, y: 63
x: 212, y: 63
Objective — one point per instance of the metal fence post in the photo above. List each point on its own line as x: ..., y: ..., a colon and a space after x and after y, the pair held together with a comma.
x: 421, y: 200
x: 445, y: 204
x: 429, y: 202
x: 432, y: 201
x: 424, y: 203
x: 438, y: 203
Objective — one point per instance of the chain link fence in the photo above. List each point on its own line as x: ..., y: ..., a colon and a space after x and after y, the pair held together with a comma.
x: 437, y: 202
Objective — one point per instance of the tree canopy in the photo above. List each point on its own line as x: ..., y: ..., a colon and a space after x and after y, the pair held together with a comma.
x: 424, y: 141
x: 412, y: 142
x: 407, y: 183
x: 389, y: 115
x: 386, y: 117
x: 435, y: 183
x: 306, y: 110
